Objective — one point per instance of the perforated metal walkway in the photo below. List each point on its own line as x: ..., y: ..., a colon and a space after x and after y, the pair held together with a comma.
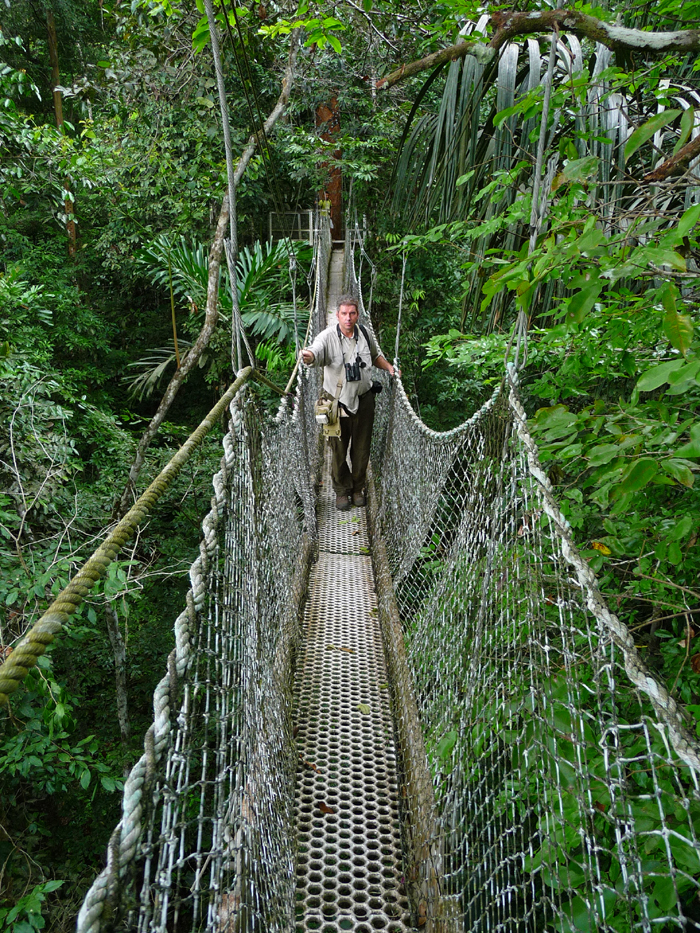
x: 349, y: 866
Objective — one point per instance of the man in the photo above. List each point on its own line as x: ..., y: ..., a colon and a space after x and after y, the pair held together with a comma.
x: 347, y: 356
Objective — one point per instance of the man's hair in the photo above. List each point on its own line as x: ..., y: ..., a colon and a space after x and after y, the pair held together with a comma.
x: 348, y: 299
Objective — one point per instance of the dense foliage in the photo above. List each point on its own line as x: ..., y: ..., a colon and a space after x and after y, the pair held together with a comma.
x: 107, y: 213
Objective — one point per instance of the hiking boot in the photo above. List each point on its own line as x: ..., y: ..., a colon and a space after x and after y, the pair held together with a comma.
x: 358, y: 499
x: 342, y: 503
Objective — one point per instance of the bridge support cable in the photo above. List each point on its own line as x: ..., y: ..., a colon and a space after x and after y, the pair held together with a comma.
x: 566, y: 784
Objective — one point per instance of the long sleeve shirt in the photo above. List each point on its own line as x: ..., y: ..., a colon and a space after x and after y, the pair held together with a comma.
x: 332, y: 350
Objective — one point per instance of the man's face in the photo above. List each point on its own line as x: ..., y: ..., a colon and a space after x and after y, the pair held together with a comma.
x: 347, y: 318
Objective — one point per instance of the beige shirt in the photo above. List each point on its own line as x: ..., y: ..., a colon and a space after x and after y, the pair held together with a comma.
x: 332, y: 349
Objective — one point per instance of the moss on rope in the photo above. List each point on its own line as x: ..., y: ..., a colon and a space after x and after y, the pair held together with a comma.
x: 42, y: 633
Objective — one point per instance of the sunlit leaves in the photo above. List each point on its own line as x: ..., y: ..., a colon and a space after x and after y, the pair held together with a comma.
x: 579, y: 171
x: 678, y: 328
x: 688, y: 221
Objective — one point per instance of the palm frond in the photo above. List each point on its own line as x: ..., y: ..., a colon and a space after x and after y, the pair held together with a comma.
x: 188, y: 264
x: 151, y: 369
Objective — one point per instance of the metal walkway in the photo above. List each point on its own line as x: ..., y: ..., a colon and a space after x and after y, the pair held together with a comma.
x: 349, y: 865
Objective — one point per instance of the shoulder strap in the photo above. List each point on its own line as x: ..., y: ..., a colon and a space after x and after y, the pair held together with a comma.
x: 366, y: 333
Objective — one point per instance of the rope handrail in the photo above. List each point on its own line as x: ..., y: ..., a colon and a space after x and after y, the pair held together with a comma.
x: 33, y: 645
x: 667, y: 709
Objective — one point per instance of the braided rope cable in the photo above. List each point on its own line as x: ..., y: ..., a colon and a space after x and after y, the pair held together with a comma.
x: 42, y: 633
x: 96, y: 908
x: 668, y: 711
x: 236, y: 319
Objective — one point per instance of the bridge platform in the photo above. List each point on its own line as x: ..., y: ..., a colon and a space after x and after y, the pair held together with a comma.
x: 349, y: 864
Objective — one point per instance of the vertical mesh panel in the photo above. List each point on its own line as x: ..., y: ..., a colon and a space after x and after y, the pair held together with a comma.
x: 209, y: 833
x: 562, y: 785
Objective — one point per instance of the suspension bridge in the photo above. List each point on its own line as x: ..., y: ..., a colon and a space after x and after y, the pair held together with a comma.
x: 418, y: 714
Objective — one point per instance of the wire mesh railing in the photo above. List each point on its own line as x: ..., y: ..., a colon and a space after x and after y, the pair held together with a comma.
x: 550, y: 782
x: 205, y: 841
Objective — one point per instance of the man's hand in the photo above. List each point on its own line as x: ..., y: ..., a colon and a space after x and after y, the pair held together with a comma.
x: 382, y: 362
x: 307, y: 356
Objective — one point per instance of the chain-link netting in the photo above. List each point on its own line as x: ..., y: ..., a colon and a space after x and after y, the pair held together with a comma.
x: 549, y: 781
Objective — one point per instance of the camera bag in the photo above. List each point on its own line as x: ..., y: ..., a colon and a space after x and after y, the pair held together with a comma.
x: 326, y: 412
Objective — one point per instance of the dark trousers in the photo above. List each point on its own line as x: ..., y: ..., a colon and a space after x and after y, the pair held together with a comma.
x: 356, y: 433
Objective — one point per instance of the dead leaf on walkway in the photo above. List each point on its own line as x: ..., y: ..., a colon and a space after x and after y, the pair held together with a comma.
x: 364, y: 708
x: 309, y: 764
x: 340, y: 648
x: 324, y: 808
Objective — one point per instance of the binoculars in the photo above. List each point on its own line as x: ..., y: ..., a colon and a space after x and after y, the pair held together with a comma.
x: 352, y: 370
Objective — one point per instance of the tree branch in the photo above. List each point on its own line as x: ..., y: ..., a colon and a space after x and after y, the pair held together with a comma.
x: 676, y: 165
x: 508, y: 26
x: 467, y: 47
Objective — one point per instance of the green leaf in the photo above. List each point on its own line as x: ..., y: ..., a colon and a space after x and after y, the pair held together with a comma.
x: 657, y: 375
x: 553, y: 415
x: 638, y: 475
x: 573, y: 450
x: 335, y: 43
x: 660, y: 256
x: 678, y: 328
x: 463, y: 179
x: 680, y: 471
x: 687, y: 373
x: 364, y: 708
x: 692, y: 448
x: 50, y: 886
x: 688, y: 220
x: 580, y: 170
x: 682, y: 529
x: 582, y: 302
x: 648, y: 129
x: 446, y: 744
x: 686, y: 128
x: 85, y: 779
x: 603, y: 453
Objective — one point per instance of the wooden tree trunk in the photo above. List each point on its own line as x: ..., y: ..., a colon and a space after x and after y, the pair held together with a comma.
x: 119, y: 651
x: 327, y: 115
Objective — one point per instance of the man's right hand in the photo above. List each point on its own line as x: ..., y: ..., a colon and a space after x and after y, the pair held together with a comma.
x: 307, y: 356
